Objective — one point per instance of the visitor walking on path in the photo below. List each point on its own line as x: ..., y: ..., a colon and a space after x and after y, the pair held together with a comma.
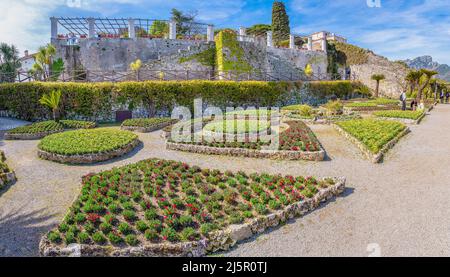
x: 403, y: 100
x: 442, y: 97
x: 447, y: 96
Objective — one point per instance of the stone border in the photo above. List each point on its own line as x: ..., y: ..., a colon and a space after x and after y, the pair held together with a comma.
x: 148, y: 129
x: 374, y: 158
x: 249, y: 153
x: 88, y: 158
x: 216, y: 241
x: 8, y: 177
x: 27, y: 136
x: 404, y: 120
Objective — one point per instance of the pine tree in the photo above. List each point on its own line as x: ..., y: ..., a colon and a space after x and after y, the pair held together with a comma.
x: 280, y: 22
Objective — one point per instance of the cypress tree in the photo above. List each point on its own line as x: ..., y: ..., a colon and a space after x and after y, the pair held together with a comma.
x: 280, y: 22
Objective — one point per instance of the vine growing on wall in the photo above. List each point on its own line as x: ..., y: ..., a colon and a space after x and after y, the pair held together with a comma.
x: 206, y: 58
x: 229, y: 54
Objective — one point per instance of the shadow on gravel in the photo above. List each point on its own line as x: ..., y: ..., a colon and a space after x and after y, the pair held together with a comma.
x: 20, y: 232
x: 348, y: 191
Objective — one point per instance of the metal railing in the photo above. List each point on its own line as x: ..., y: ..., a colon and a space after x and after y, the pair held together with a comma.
x: 168, y: 75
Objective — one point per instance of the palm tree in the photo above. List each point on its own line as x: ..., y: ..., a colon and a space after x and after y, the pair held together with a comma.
x: 413, y: 78
x: 52, y: 101
x: 43, y: 60
x: 378, y: 78
x: 427, y: 74
x: 9, y: 62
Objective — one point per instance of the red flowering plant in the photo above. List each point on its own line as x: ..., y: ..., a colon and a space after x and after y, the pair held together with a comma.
x: 161, y: 199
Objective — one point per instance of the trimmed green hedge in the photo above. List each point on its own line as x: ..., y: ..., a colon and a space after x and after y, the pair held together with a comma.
x: 95, y: 100
x: 340, y: 89
x: 92, y: 100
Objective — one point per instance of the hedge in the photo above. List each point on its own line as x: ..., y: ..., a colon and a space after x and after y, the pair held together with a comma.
x: 340, y: 89
x: 93, y: 100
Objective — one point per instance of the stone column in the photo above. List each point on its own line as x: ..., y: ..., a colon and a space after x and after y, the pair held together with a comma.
x: 310, y: 44
x: 131, y: 29
x: 54, y: 27
x: 242, y: 33
x: 172, y: 30
x: 210, y: 33
x: 91, y: 27
x: 324, y: 42
x: 269, y: 39
x: 291, y: 42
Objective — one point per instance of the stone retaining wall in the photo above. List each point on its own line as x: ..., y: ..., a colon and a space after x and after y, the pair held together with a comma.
x: 147, y: 129
x: 88, y: 158
x: 219, y: 240
x: 35, y: 136
x: 374, y: 158
x: 250, y: 153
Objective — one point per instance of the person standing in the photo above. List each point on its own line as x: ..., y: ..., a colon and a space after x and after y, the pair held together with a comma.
x: 403, y: 100
x: 447, y: 96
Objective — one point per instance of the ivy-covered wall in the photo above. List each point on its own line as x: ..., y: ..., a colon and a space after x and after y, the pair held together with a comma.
x: 229, y: 54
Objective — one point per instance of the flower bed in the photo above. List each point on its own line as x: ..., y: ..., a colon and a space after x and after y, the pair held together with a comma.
x: 7, y: 176
x: 373, y: 137
x: 237, y: 126
x: 87, y: 146
x: 147, y: 125
x: 409, y: 117
x: 167, y: 208
x: 42, y: 129
x: 295, y: 143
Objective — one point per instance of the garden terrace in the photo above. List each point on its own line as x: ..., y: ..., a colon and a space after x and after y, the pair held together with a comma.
x: 146, y: 125
x: 87, y: 146
x: 41, y: 129
x: 373, y: 137
x: 296, y: 142
x: 168, y: 208
x: 7, y: 176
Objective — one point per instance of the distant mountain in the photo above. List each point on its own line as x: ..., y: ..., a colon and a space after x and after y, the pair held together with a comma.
x: 428, y: 63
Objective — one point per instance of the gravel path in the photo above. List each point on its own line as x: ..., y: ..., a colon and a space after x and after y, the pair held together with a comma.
x: 401, y: 205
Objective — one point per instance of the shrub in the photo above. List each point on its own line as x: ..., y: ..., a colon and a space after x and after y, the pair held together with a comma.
x: 83, y: 237
x: 189, y: 234
x: 334, y: 107
x: 169, y: 234
x: 339, y: 89
x: 141, y: 226
x: 146, y: 122
x: 115, y: 238
x: 94, y: 100
x: 86, y: 141
x: 303, y: 110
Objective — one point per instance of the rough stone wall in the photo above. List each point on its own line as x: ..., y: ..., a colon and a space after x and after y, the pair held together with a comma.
x: 100, y: 54
x: 283, y: 63
x: 395, y: 74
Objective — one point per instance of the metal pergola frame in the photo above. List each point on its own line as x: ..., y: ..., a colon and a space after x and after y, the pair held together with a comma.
x: 117, y: 26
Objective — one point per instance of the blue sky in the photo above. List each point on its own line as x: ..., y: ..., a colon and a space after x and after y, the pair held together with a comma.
x: 399, y: 29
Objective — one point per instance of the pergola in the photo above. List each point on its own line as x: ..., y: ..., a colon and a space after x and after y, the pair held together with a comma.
x: 134, y: 27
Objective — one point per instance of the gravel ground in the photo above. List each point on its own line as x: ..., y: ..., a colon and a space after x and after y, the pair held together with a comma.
x: 401, y: 206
